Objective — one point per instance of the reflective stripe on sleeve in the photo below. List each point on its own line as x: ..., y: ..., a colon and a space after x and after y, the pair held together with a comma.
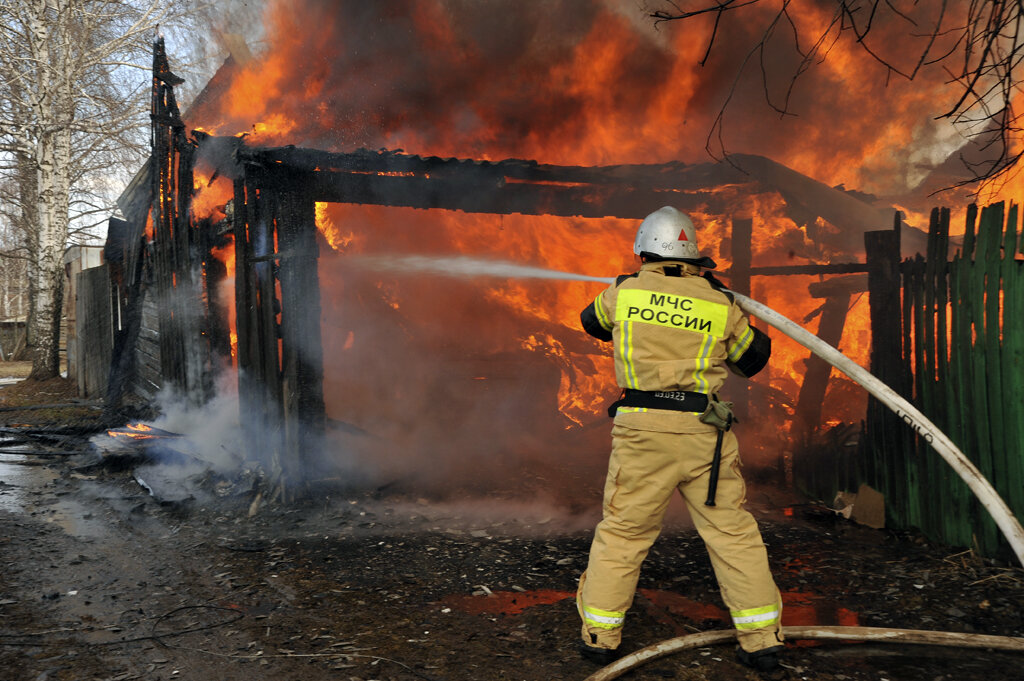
x: 602, y: 316
x: 755, y: 618
x: 703, y: 364
x: 626, y: 354
x: 741, y: 345
x: 605, y: 619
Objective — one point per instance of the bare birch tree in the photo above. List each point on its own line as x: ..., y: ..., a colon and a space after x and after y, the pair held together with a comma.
x: 73, y: 89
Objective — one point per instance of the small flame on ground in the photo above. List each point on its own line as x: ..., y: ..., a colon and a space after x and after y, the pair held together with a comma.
x: 135, y: 431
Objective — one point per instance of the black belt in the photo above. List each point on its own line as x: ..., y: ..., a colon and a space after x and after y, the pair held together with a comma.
x: 673, y: 400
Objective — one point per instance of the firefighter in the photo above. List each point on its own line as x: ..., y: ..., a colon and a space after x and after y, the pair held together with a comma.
x: 675, y: 335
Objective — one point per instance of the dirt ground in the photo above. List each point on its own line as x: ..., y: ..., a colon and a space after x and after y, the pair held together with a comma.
x: 99, y: 580
x: 15, y: 369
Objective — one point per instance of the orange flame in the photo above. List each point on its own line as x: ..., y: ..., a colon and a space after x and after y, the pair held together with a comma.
x: 608, y: 91
x: 226, y: 289
x: 133, y: 431
x: 327, y: 227
x: 210, y: 195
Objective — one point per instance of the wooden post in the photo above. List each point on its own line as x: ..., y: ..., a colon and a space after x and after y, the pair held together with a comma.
x: 243, y: 305
x: 301, y: 346
x: 255, y: 318
x: 885, y: 436
x: 816, y: 377
x: 739, y: 281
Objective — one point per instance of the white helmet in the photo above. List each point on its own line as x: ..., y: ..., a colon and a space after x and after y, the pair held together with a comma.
x: 667, y: 233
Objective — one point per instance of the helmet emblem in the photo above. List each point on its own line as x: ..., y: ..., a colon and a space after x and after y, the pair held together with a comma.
x: 682, y: 235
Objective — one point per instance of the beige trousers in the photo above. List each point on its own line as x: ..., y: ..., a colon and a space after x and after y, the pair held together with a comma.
x: 644, y: 469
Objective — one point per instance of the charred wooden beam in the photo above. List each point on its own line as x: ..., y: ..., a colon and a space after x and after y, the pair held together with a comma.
x: 815, y: 384
x: 883, y: 429
x: 183, y: 345
x: 256, y: 304
x: 742, y: 256
x: 485, y: 193
x: 248, y: 399
x: 303, y: 411
x: 839, y: 286
x: 779, y: 270
x: 672, y: 177
x: 851, y: 215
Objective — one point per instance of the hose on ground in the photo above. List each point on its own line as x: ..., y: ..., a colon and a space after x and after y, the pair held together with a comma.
x: 872, y: 634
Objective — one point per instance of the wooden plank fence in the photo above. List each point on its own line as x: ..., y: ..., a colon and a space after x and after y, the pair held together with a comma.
x: 95, y: 331
x: 947, y: 334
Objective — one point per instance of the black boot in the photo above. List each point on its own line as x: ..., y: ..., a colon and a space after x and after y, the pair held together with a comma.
x: 602, y: 656
x: 765, y: 660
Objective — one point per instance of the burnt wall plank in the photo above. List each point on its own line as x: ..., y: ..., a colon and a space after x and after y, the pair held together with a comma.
x: 302, y: 351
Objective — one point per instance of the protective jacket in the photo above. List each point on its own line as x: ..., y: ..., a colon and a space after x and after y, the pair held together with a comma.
x: 672, y: 331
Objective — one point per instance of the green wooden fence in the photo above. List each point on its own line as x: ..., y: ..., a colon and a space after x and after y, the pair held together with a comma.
x: 954, y: 346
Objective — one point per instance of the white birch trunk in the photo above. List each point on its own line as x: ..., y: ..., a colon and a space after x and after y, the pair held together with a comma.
x: 53, y: 112
x: 52, y: 156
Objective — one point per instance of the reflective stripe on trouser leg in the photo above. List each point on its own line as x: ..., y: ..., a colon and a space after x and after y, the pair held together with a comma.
x: 601, y: 628
x: 737, y: 552
x: 636, y: 494
x: 756, y: 618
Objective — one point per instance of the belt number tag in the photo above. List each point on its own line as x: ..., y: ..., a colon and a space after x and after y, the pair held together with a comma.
x: 674, y: 312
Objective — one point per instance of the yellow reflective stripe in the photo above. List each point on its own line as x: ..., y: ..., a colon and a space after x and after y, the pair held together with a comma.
x: 703, y: 364
x: 673, y: 312
x: 741, y: 345
x: 755, y: 618
x: 605, y: 619
x: 630, y: 410
x: 626, y: 353
x: 602, y: 316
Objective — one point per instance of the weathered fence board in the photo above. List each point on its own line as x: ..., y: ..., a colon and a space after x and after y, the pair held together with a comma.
x: 95, y: 336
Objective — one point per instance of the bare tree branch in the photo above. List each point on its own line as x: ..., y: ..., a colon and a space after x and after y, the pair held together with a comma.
x: 980, y: 49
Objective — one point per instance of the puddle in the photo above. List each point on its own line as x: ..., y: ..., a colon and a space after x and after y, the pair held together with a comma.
x: 21, y: 491
x: 807, y: 610
x: 18, y: 481
x: 74, y: 518
x: 505, y: 602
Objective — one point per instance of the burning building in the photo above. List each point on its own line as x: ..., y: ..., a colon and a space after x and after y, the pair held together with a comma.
x: 282, y: 229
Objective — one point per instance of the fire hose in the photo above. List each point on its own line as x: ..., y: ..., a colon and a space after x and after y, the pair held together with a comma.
x: 982, y: 488
x: 870, y: 634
